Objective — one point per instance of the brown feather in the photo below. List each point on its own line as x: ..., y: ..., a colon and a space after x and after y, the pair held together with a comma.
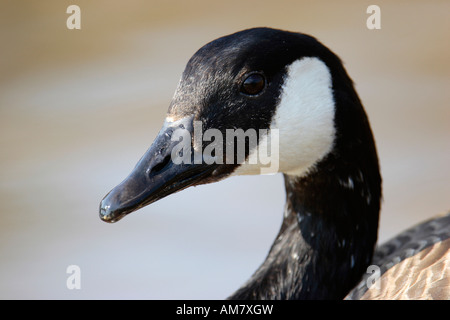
x: 413, y: 265
x: 424, y: 276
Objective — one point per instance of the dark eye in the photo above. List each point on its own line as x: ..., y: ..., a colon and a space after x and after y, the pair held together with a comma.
x: 253, y: 84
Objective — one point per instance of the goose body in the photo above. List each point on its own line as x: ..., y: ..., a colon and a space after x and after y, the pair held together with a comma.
x: 296, y: 98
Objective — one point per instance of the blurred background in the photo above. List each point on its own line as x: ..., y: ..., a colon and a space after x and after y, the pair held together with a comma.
x: 79, y: 107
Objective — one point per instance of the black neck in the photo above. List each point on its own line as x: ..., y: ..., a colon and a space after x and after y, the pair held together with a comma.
x: 326, y: 240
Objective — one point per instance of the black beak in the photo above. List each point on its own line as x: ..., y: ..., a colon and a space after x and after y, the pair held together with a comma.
x: 156, y: 175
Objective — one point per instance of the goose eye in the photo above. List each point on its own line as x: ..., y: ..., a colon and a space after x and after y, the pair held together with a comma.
x: 253, y: 84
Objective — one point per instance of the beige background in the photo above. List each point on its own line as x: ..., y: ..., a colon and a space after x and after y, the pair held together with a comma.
x: 78, y: 109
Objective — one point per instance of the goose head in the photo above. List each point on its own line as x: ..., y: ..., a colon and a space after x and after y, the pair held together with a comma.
x: 266, y: 101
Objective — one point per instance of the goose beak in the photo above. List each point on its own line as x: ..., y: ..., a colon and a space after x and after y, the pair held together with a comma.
x: 156, y: 175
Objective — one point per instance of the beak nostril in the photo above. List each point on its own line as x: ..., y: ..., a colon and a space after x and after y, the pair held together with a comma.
x: 160, y: 165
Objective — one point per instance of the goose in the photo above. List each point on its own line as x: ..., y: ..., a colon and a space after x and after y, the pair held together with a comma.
x: 292, y: 97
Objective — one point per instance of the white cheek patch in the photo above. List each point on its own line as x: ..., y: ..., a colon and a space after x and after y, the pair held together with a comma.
x: 304, y: 118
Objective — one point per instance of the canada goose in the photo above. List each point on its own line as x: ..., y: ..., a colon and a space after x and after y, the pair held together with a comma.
x: 296, y: 89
